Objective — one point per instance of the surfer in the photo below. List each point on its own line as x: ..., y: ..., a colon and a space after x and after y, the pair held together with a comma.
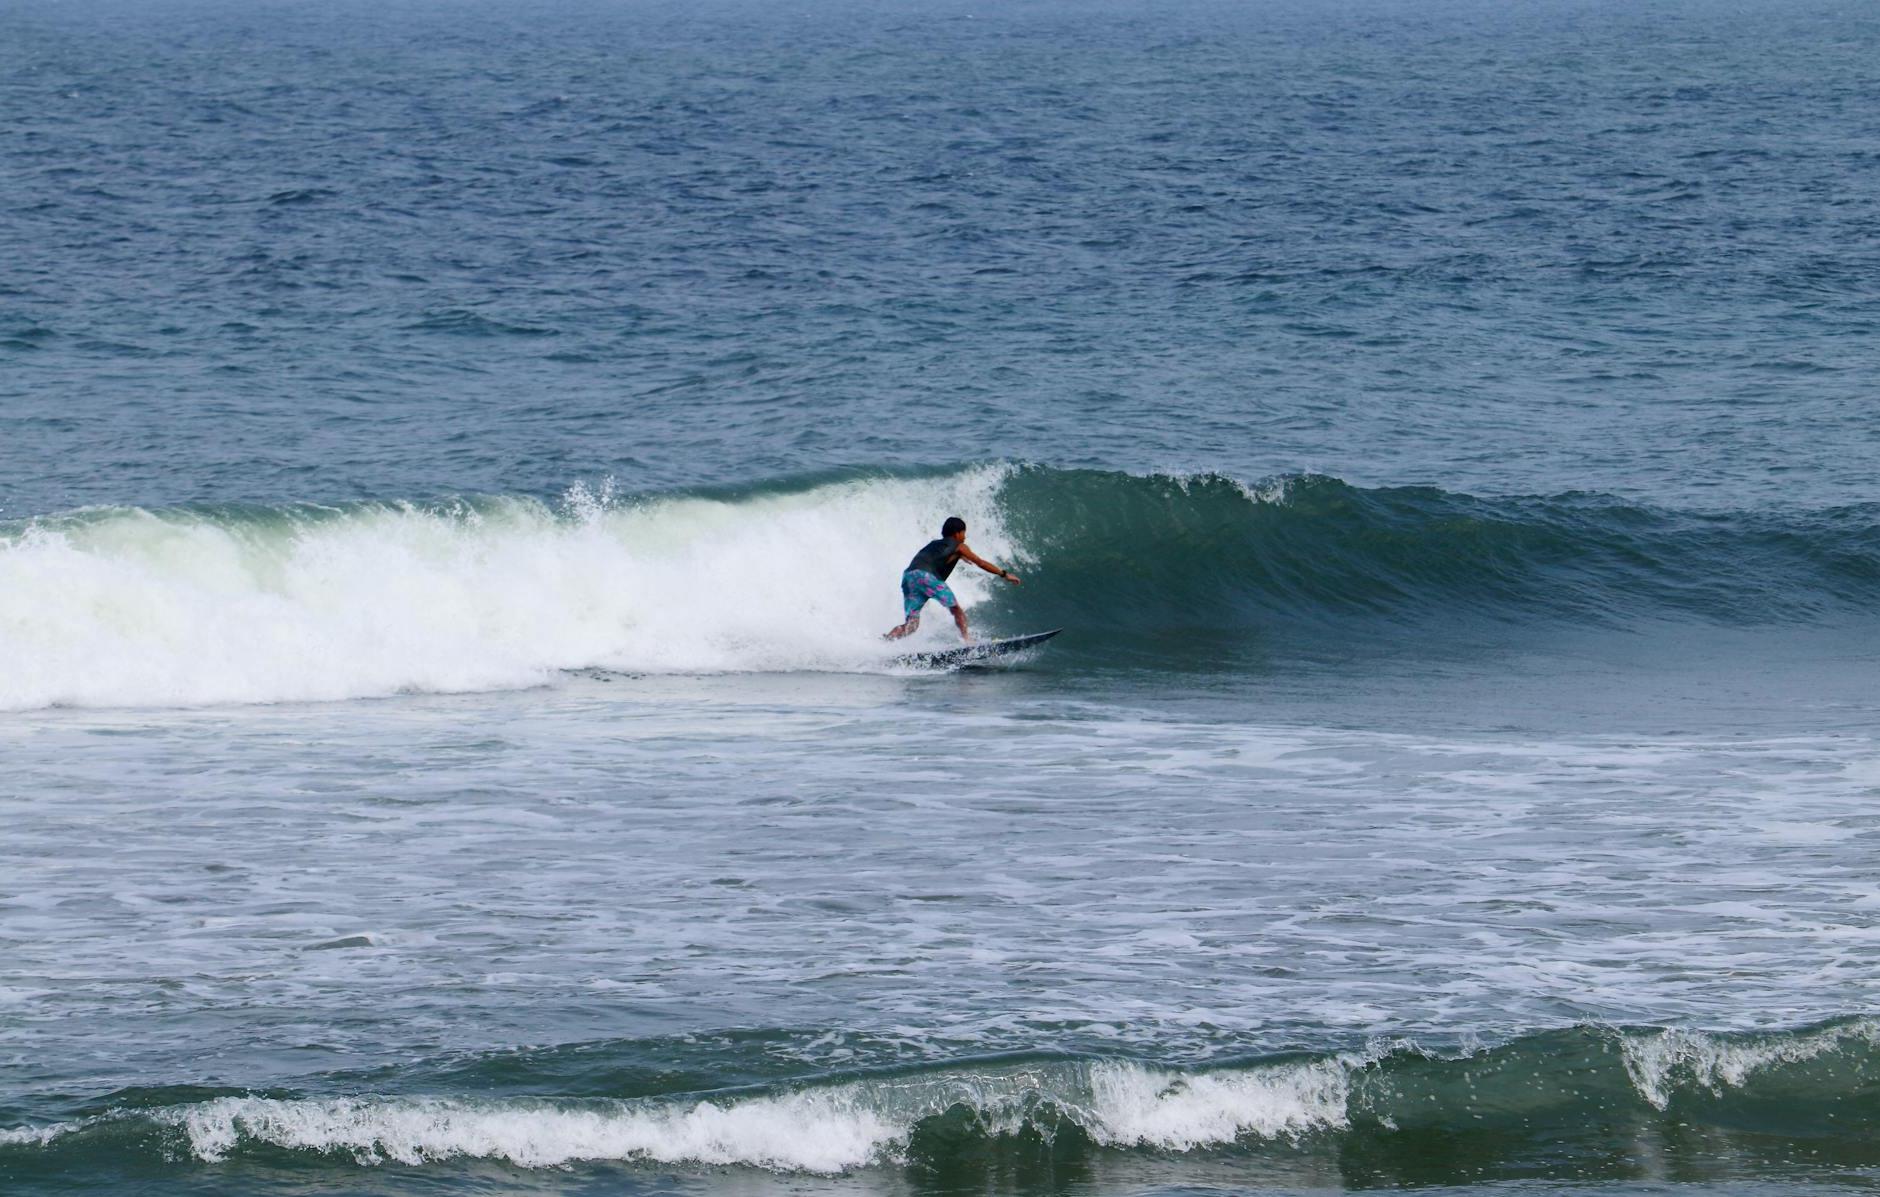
x: 926, y: 577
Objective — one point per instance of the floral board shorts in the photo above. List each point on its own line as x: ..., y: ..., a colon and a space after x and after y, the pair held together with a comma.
x: 917, y: 586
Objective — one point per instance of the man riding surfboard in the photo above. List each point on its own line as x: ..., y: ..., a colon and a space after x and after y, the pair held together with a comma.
x: 926, y: 577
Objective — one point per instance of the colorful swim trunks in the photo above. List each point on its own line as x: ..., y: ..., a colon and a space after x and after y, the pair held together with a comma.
x: 917, y: 586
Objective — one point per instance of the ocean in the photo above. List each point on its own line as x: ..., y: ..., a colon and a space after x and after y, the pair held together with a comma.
x: 456, y: 462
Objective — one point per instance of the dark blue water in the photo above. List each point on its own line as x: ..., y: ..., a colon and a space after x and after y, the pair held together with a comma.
x: 455, y: 461
x: 283, y: 253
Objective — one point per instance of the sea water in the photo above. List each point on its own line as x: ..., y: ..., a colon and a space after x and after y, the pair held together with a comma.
x: 458, y: 457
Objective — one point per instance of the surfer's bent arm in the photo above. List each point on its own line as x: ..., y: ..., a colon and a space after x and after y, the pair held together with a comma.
x: 986, y: 565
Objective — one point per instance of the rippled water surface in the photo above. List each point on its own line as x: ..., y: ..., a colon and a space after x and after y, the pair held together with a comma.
x: 455, y: 462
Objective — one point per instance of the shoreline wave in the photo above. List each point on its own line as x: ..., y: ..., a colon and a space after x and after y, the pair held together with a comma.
x: 1570, y: 1089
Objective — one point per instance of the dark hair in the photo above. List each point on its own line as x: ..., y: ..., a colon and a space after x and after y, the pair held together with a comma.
x: 954, y: 524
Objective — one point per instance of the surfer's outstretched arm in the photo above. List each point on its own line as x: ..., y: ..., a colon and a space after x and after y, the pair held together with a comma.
x: 988, y: 566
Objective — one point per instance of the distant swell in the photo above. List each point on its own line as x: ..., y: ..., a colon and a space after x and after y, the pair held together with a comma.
x: 1564, y: 1096
x: 127, y: 607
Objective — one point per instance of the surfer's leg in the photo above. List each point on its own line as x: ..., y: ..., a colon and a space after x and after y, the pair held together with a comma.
x: 941, y: 593
x: 914, y: 596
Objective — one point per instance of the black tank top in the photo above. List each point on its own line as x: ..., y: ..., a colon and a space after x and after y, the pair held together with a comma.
x: 937, y: 557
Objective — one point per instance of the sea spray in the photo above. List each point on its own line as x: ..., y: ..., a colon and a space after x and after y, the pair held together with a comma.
x: 1663, y: 1064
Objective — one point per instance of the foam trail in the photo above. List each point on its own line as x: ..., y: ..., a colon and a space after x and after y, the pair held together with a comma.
x: 126, y: 607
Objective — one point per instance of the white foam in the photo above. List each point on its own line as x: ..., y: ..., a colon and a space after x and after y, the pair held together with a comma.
x: 130, y: 608
x: 815, y: 1132
x: 37, y: 1136
x: 1273, y: 492
x: 1141, y: 1107
x: 1660, y: 1063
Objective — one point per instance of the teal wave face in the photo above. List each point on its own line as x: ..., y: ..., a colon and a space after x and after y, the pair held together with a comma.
x: 1147, y: 555
x: 1576, y: 1103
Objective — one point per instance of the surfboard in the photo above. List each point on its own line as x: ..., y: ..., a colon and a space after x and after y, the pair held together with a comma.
x: 974, y: 654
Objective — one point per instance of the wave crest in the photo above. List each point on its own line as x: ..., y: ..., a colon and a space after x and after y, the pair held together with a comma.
x: 126, y: 607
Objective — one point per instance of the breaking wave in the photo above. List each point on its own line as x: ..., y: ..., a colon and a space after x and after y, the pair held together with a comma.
x: 129, y: 607
x: 1564, y: 1095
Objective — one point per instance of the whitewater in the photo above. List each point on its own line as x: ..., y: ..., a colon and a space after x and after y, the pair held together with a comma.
x: 127, y: 607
